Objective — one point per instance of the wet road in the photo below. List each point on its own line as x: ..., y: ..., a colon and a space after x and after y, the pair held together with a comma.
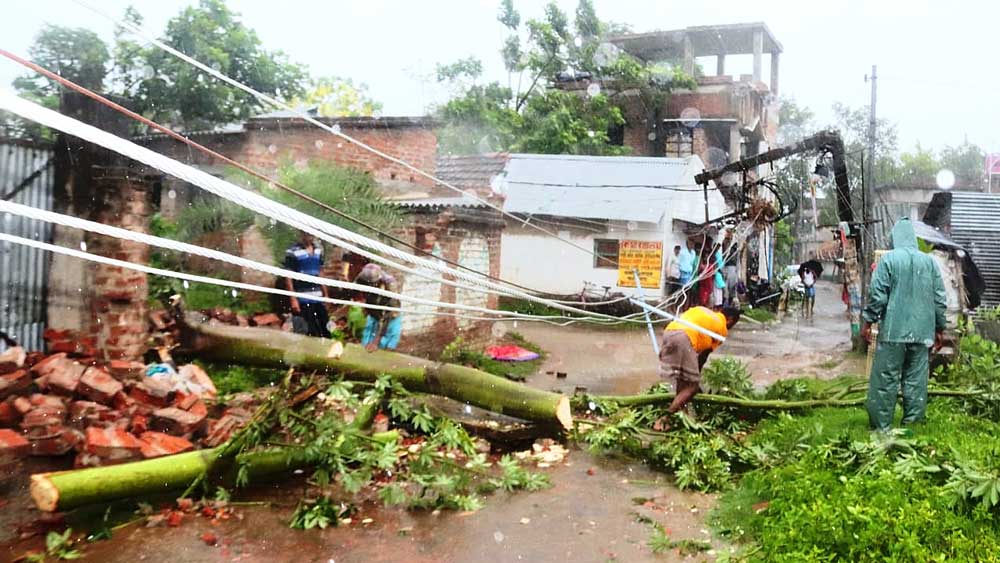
x: 586, y: 516
x: 622, y: 361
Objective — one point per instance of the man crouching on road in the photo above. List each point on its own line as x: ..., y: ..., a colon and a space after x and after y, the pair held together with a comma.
x: 684, y: 351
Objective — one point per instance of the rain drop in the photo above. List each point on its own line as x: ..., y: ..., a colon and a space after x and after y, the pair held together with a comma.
x: 468, y: 409
x: 690, y: 117
x: 172, y: 194
x: 272, y: 149
x: 336, y: 129
x: 591, y: 134
x: 498, y: 536
x: 632, y: 225
x: 577, y: 41
x: 187, y: 285
x: 593, y: 89
x: 148, y: 72
x: 319, y: 144
x: 592, y: 405
x: 651, y: 136
x: 730, y: 179
x: 83, y: 245
x: 716, y: 157
x: 234, y: 293
x: 945, y: 179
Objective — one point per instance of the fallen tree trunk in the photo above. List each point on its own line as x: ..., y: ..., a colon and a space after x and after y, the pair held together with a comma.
x: 277, y: 349
x: 66, y: 490
x: 762, y: 404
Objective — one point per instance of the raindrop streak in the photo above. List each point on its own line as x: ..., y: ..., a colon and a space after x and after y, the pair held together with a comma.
x: 690, y: 117
x: 594, y: 89
x: 945, y: 179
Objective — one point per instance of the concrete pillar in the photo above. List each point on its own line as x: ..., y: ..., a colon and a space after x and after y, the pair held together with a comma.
x: 735, y: 142
x: 720, y: 65
x: 758, y: 54
x: 774, y: 73
x: 688, y: 56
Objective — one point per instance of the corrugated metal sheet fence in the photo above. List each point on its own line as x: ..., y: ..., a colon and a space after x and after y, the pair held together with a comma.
x: 975, y: 224
x: 26, y: 177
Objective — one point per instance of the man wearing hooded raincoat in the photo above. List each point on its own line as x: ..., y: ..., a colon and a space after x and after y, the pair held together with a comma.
x: 906, y: 297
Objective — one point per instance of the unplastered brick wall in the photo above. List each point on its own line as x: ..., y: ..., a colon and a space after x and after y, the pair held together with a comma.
x: 112, y: 299
x: 473, y: 253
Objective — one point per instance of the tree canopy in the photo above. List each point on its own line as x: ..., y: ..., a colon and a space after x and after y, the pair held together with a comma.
x: 169, y: 90
x: 531, y: 112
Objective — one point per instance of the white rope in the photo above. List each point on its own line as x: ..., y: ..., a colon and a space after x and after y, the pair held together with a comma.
x: 259, y: 203
x: 138, y: 30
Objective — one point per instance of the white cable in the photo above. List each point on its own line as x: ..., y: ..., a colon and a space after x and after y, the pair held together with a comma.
x: 138, y: 30
x: 168, y: 244
x: 251, y: 287
x: 257, y: 202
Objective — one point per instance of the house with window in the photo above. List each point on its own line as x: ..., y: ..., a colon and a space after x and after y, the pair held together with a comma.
x: 616, y: 216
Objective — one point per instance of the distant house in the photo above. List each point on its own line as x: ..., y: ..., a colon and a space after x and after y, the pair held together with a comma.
x: 601, y: 205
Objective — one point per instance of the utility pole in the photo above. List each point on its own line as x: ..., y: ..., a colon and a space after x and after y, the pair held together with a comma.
x: 868, y: 188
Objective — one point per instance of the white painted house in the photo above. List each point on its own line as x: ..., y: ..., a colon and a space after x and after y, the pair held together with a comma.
x: 600, y: 204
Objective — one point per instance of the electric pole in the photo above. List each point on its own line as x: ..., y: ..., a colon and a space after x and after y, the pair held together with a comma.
x: 868, y: 188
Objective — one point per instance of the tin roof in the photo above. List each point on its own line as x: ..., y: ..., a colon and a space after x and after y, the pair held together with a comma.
x: 607, y: 187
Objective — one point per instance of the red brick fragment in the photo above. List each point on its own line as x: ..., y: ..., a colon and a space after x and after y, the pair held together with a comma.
x: 56, y: 443
x: 112, y: 443
x: 177, y: 422
x: 220, y: 430
x: 139, y: 424
x: 14, y: 383
x: 98, y: 386
x: 194, y: 373
x: 125, y: 369
x: 22, y: 405
x: 43, y: 417
x: 12, y: 359
x: 62, y: 377
x: 13, y: 444
x: 46, y: 364
x: 53, y: 334
x: 153, y: 392
x: 156, y: 444
x: 9, y: 416
x: 210, y: 538
x: 86, y: 413
x: 33, y: 358
x: 267, y: 319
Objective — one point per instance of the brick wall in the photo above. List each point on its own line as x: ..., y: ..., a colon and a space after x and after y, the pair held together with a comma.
x: 111, y: 301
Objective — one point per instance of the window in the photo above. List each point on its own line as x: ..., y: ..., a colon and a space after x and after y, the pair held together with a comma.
x: 606, y: 251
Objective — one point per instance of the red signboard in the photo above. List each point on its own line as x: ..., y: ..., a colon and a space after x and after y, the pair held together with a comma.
x: 993, y: 163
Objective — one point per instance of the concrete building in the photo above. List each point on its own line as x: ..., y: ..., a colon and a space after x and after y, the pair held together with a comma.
x: 724, y: 118
x: 601, y: 205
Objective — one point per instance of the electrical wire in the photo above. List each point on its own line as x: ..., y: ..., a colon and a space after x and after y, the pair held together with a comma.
x: 257, y: 202
x: 139, y: 31
x: 216, y: 155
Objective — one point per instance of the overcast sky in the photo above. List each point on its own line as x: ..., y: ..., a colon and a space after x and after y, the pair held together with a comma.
x: 932, y: 56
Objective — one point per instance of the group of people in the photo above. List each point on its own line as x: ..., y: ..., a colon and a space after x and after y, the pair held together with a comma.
x: 708, y: 277
x: 378, y: 326
x: 906, y: 297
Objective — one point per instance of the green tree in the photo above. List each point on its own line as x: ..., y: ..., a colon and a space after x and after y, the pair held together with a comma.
x: 532, y: 113
x: 916, y: 168
x: 172, y: 90
x: 967, y: 161
x: 338, y: 97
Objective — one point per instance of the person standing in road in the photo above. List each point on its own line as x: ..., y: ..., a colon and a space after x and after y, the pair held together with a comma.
x: 907, y: 298
x: 308, y: 316
x: 673, y: 271
x: 685, y: 349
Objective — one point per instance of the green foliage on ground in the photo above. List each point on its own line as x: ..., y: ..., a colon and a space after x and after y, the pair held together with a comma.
x: 459, y: 353
x: 230, y: 379
x: 817, y: 485
x: 760, y: 314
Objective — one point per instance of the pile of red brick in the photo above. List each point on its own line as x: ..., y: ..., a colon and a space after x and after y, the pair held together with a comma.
x: 104, y: 413
x: 161, y: 320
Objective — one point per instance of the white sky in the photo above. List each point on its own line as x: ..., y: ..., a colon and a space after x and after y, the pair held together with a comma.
x: 932, y: 56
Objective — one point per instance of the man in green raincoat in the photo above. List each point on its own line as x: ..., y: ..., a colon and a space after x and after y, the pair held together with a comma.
x: 906, y: 297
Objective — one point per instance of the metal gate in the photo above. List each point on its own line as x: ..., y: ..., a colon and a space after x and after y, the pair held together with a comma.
x: 26, y: 177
